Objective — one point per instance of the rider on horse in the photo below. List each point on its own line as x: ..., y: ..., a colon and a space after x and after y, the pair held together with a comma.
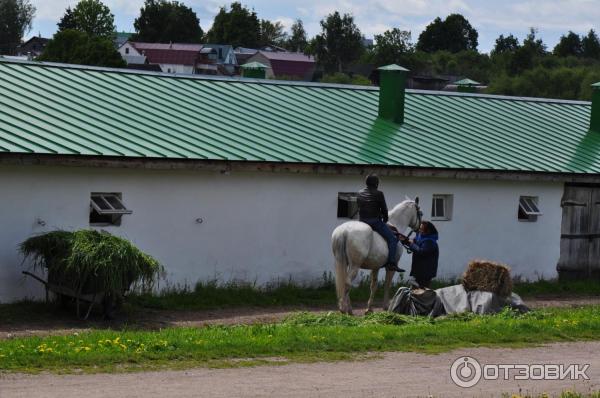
x: 373, y: 211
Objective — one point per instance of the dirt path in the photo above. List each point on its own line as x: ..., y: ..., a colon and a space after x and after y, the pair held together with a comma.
x: 393, y: 375
x: 155, y: 319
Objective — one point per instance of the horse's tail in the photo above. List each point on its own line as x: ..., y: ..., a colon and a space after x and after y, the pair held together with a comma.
x: 338, y: 243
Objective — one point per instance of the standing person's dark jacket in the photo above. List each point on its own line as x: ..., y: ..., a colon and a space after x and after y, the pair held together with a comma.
x: 371, y: 204
x: 424, y: 258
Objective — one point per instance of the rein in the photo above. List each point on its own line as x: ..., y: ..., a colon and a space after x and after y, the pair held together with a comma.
x: 419, y: 218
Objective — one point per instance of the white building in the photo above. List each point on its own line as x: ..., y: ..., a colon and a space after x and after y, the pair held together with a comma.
x: 246, y: 179
x: 171, y: 57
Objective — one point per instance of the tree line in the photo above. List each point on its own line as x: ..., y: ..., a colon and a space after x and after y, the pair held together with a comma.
x: 446, y: 46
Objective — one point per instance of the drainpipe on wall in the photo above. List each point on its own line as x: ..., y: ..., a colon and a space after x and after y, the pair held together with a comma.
x: 595, y: 117
x: 392, y: 85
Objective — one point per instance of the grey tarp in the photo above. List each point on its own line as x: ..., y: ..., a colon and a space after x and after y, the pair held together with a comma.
x: 451, y: 300
x: 415, y: 302
x: 456, y: 299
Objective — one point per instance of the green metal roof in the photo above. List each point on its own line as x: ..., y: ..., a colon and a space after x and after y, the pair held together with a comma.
x: 46, y: 109
x: 467, y: 82
x: 393, y: 67
x: 254, y: 65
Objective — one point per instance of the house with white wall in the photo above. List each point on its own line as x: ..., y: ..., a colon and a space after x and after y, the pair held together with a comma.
x: 172, y: 57
x: 234, y: 178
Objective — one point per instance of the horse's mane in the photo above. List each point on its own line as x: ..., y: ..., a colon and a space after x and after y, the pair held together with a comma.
x: 404, y: 203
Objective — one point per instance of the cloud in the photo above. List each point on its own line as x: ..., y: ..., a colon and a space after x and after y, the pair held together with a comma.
x: 490, y: 17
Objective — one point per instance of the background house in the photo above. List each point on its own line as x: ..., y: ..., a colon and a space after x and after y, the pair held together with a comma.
x: 171, y: 57
x: 286, y: 64
x: 242, y: 54
x: 32, y: 47
x: 204, y: 163
x: 121, y: 38
x: 224, y: 58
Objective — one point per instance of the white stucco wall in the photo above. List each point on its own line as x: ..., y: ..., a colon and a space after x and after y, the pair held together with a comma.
x: 177, y: 68
x: 262, y: 226
x: 127, y: 49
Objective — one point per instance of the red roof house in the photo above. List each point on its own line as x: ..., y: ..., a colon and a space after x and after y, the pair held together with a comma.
x: 280, y: 64
x: 172, y: 57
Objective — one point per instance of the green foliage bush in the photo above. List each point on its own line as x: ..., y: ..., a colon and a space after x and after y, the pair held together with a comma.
x: 75, y: 47
x: 90, y: 261
x: 342, y: 78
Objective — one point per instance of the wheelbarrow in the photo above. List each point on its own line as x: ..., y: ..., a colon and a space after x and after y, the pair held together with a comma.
x: 80, y: 299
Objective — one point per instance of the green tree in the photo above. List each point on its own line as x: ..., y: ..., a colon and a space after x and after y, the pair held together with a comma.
x: 94, y: 18
x: 453, y: 34
x: 569, y: 45
x: 528, y: 55
x: 15, y: 22
x: 339, y: 44
x: 534, y: 44
x: 590, y: 45
x: 237, y: 26
x: 67, y: 21
x: 297, y: 40
x: 508, y: 44
x: 77, y: 47
x: 271, y: 33
x: 391, y: 47
x: 163, y: 21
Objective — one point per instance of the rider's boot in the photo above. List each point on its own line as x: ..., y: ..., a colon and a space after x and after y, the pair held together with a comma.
x: 393, y: 267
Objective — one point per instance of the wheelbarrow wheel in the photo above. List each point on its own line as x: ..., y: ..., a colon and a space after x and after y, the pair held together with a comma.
x: 111, y: 304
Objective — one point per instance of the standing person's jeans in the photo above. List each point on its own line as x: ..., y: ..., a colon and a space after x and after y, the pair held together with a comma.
x: 382, y: 229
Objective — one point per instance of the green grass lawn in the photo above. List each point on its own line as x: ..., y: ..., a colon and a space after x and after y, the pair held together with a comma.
x: 302, y: 337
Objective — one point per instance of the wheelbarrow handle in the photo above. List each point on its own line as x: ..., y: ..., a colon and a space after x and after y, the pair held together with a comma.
x: 34, y: 276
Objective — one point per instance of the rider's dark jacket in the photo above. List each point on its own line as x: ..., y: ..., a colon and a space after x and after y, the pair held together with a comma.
x: 371, y: 204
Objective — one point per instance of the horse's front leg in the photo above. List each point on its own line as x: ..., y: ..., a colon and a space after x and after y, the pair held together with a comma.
x: 374, y: 277
x: 389, y: 276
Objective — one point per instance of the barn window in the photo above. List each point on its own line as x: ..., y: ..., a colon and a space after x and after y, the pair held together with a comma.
x: 441, y: 207
x: 126, y: 50
x: 107, y: 209
x: 528, y: 208
x: 347, y: 205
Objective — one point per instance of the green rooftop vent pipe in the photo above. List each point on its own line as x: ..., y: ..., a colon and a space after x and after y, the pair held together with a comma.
x: 254, y: 70
x: 595, y: 118
x: 392, y: 85
x: 467, y: 86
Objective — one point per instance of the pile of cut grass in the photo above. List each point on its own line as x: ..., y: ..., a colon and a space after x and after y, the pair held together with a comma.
x: 90, y: 261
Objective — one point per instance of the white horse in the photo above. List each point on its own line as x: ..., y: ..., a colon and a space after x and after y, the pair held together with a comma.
x: 355, y: 245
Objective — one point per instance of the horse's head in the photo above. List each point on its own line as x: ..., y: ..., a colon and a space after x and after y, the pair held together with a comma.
x: 416, y: 215
x: 407, y: 214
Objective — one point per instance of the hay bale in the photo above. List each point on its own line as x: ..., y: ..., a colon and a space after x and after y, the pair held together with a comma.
x: 488, y: 276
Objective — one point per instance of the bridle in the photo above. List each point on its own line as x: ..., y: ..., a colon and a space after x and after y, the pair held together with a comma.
x: 412, y: 229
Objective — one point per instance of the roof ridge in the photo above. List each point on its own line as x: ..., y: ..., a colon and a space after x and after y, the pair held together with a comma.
x: 186, y: 76
x: 287, y: 82
x: 499, y: 97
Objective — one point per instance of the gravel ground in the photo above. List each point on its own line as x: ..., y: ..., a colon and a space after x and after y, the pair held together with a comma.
x: 392, y: 375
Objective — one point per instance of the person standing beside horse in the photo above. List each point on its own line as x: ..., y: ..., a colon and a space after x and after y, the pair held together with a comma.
x: 425, y: 252
x: 373, y: 211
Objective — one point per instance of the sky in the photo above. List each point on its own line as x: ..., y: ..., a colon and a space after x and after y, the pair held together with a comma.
x: 552, y: 18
